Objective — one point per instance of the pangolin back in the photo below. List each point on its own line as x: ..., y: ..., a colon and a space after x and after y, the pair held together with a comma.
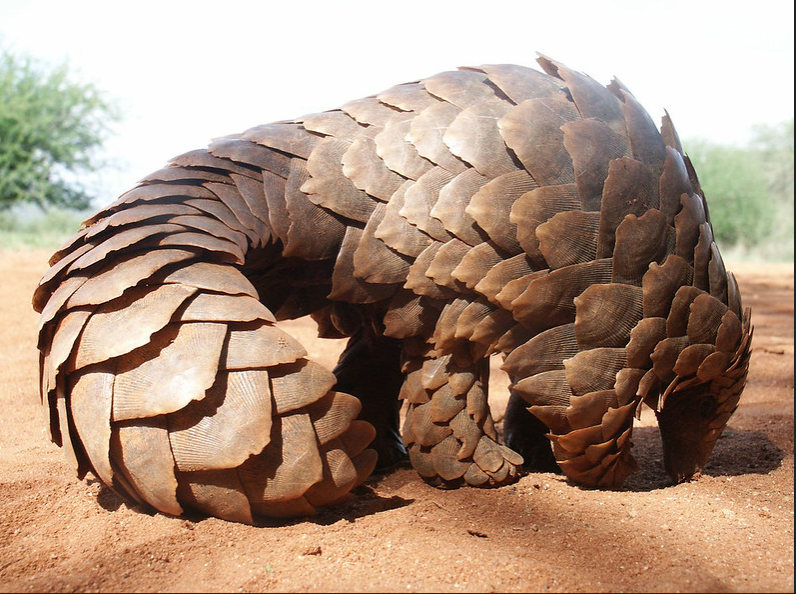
x: 494, y: 209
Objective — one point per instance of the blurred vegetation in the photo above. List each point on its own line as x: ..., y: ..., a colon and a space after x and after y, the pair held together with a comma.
x: 51, y: 133
x: 749, y: 190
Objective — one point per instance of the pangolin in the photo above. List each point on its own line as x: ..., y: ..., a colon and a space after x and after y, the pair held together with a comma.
x: 532, y: 214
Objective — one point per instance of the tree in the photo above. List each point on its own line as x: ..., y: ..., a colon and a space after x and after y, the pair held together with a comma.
x: 51, y: 130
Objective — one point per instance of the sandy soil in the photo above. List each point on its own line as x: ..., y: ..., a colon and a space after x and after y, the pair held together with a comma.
x: 730, y: 531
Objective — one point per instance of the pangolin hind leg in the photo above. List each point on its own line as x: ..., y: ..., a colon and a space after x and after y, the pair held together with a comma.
x: 370, y: 369
x: 524, y: 433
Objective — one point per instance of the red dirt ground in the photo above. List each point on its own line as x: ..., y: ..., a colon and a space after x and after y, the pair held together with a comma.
x: 729, y: 531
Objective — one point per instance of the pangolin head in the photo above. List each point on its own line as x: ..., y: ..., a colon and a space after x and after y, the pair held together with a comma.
x: 693, y: 410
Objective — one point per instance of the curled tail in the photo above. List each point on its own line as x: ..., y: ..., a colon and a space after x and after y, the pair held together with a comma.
x: 168, y: 378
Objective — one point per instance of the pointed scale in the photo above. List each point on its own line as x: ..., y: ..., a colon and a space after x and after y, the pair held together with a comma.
x: 629, y: 189
x: 286, y: 137
x: 520, y: 83
x: 640, y: 241
x: 374, y: 260
x: 674, y: 182
x: 328, y: 187
x: 224, y: 213
x: 213, y: 307
x: 445, y: 328
x: 122, y: 240
x: 288, y: 466
x: 419, y: 282
x: 549, y: 300
x: 141, y: 312
x: 426, y: 131
x: 680, y: 312
x: 275, y: 189
x: 545, y: 388
x: 250, y: 153
x: 500, y: 273
x: 491, y: 207
x: 147, y: 192
x: 54, y: 280
x: 419, y: 201
x: 253, y: 194
x: 462, y: 88
x: 445, y: 261
x: 451, y: 206
x: 717, y: 274
x: 687, y: 223
x: 446, y: 462
x: 397, y: 232
x: 702, y: 256
x: 363, y: 166
x: 345, y: 285
x: 259, y: 344
x: 175, y: 173
x: 217, y: 493
x: 588, y: 410
x: 474, y: 137
x: 90, y: 399
x: 661, y: 282
x: 705, y: 318
x: 544, y: 352
x: 646, y: 143
x: 593, y: 100
x: 332, y: 415
x: 606, y: 314
x: 532, y: 130
x: 398, y: 154
x: 124, y: 272
x: 594, y: 370
x: 64, y: 338
x: 223, y: 429
x: 212, y: 226
x: 178, y: 366
x: 314, y: 233
x: 569, y: 237
x: 592, y: 144
x: 143, y: 454
x: 730, y: 332
x: 534, y: 208
x: 203, y: 158
x: 225, y: 250
x: 299, y: 384
x: 643, y: 340
x: 136, y: 213
x: 493, y: 328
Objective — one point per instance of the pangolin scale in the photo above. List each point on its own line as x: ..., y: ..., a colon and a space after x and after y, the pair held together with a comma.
x: 537, y: 215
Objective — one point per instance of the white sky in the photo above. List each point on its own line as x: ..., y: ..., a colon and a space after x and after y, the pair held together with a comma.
x: 186, y: 72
